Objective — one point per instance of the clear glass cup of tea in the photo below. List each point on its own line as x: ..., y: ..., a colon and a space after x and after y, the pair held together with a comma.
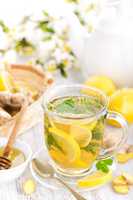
x: 74, y: 128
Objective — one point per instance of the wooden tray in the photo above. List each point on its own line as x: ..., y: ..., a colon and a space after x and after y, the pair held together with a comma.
x: 37, y: 79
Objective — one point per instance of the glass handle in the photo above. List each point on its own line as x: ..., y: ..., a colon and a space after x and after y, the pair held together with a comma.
x: 124, y: 125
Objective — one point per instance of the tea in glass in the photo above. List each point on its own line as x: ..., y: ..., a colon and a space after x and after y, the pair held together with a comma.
x: 74, y: 128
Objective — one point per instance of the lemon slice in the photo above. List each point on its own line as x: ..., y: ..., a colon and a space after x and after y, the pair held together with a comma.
x: 6, y: 81
x: 91, y: 125
x: 81, y: 134
x: 69, y: 146
x: 122, y: 101
x: 103, y: 83
x: 60, y: 158
x: 62, y: 126
x: 97, y: 178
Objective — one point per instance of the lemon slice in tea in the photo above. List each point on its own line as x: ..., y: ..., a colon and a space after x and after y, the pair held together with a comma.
x: 81, y: 134
x: 67, y: 143
x: 60, y: 158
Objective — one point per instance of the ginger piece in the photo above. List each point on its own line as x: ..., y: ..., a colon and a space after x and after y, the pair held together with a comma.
x: 110, y: 142
x: 29, y: 186
x: 124, y: 148
x: 128, y: 178
x: 119, y: 180
x: 12, y: 100
x: 121, y: 189
x: 130, y: 149
x: 120, y: 185
x: 122, y: 157
x: 4, y: 116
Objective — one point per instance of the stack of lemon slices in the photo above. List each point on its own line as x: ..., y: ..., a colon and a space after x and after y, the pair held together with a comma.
x: 120, y: 100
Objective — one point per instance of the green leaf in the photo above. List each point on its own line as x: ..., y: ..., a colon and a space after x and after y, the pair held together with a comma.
x: 61, y: 67
x: 105, y: 169
x: 70, y: 102
x: 96, y: 134
x: 99, y: 164
x: 108, y: 161
x: 44, y: 26
x: 47, y: 38
x: 81, y: 20
x: 4, y: 27
x: 51, y: 141
x: 92, y: 147
x: 45, y: 13
x: 103, y: 165
x: 23, y: 45
x: 65, y: 106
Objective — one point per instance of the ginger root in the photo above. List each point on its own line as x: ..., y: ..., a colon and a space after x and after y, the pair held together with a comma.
x: 121, y: 183
x: 128, y: 178
x: 125, y: 154
x: 4, y: 116
x: 15, y: 100
x: 29, y: 186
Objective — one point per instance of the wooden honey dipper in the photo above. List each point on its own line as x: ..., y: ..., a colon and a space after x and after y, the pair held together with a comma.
x: 5, y: 162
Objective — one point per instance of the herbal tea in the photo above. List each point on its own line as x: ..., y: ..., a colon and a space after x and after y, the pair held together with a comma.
x: 74, y: 143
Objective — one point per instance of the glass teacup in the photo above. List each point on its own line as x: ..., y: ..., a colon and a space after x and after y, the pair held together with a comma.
x: 74, y: 128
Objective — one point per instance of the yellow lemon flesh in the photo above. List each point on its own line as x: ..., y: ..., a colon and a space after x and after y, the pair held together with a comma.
x: 122, y: 101
x: 6, y: 81
x: 103, y: 83
x: 69, y: 146
x: 81, y: 134
x: 97, y: 178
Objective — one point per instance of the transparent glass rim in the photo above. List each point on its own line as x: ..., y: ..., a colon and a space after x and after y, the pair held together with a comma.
x: 46, y: 100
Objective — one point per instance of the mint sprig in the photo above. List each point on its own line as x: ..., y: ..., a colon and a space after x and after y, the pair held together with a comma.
x: 103, y: 165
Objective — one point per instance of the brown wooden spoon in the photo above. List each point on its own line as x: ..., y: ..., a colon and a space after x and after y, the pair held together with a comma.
x: 5, y: 162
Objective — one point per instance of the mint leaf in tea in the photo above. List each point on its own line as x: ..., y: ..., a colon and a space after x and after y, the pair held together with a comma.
x: 75, y: 105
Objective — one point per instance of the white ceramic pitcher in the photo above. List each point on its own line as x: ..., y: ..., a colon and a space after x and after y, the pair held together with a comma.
x: 109, y: 50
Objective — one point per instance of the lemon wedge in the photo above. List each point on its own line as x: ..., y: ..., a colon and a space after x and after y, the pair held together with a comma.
x: 81, y: 134
x: 69, y: 146
x: 122, y: 101
x: 103, y: 83
x: 6, y: 81
x: 95, y: 179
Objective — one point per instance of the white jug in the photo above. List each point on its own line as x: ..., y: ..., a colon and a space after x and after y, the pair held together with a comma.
x: 109, y: 50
